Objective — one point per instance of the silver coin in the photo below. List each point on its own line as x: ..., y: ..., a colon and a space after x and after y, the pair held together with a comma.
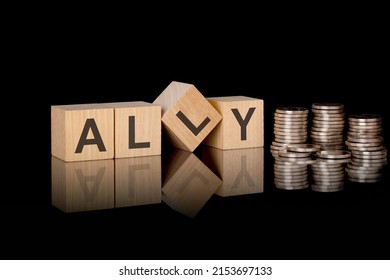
x: 366, y: 149
x: 362, y: 136
x: 335, y: 133
x: 292, y: 110
x: 374, y: 153
x: 290, y: 116
x: 292, y: 186
x: 327, y: 106
x: 328, y: 123
x: 274, y: 143
x: 291, y: 126
x: 365, y: 140
x: 364, y: 168
x: 365, y: 117
x: 289, y: 154
x: 362, y: 145
x: 322, y: 169
x: 328, y: 129
x: 290, y: 133
x: 332, y: 147
x: 369, y: 157
x: 363, y: 180
x: 303, y: 148
x: 319, y: 188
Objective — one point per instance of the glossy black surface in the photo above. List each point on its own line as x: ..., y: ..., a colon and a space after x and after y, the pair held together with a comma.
x: 291, y: 66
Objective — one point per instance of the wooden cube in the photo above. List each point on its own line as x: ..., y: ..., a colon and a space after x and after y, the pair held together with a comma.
x: 137, y: 181
x: 82, y: 186
x: 241, y: 170
x: 137, y: 129
x: 242, y: 124
x: 186, y: 115
x: 82, y: 132
x: 187, y: 183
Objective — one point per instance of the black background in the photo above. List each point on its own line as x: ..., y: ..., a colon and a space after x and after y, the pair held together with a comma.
x: 286, y: 63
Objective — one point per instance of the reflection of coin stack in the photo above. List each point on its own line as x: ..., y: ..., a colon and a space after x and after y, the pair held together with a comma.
x: 328, y: 171
x: 328, y: 125
x: 369, y: 155
x: 290, y: 167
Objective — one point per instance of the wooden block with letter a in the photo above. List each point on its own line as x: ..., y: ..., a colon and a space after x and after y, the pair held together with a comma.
x: 137, y: 129
x: 186, y: 115
x: 82, y: 132
x: 242, y: 124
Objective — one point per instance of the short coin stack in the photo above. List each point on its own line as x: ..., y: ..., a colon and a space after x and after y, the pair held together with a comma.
x: 328, y: 125
x: 369, y: 155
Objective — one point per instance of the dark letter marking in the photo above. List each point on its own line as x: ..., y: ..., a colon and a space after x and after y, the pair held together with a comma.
x: 97, y: 140
x: 90, y: 195
x: 195, y: 130
x: 243, y: 174
x: 190, y: 177
x: 243, y: 123
x: 132, y: 144
x: 132, y: 170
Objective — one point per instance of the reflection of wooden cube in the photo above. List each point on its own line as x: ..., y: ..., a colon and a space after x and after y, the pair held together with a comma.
x: 137, y: 181
x: 82, y: 132
x: 186, y: 115
x: 241, y: 170
x: 137, y: 129
x: 242, y: 124
x: 187, y: 183
x: 82, y: 186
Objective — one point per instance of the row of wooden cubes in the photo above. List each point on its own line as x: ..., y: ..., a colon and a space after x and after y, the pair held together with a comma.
x: 131, y: 129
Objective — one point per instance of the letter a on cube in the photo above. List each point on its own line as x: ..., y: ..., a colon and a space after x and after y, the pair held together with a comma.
x: 242, y: 125
x: 82, y: 132
x: 187, y: 116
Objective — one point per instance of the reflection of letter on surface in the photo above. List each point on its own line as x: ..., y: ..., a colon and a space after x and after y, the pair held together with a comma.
x: 82, y: 186
x: 188, y: 183
x: 241, y: 170
x: 137, y: 181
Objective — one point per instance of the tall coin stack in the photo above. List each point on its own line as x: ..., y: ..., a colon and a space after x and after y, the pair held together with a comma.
x: 290, y: 129
x: 365, y: 142
x: 328, y: 125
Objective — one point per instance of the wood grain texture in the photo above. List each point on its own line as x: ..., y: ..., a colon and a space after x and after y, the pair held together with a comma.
x: 82, y: 186
x: 242, y: 124
x: 185, y: 99
x: 146, y: 129
x: 241, y: 170
x: 67, y: 125
x: 188, y: 183
x: 137, y: 181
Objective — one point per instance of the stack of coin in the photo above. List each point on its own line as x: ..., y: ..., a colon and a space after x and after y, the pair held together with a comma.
x: 365, y: 142
x: 328, y: 171
x: 290, y: 166
x: 290, y: 174
x: 290, y: 127
x: 328, y: 125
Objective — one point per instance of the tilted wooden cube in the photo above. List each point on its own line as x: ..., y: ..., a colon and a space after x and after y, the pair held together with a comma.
x: 242, y: 124
x: 82, y: 186
x: 186, y: 115
x: 241, y: 170
x: 82, y: 132
x: 137, y: 181
x: 137, y: 129
x: 187, y: 183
